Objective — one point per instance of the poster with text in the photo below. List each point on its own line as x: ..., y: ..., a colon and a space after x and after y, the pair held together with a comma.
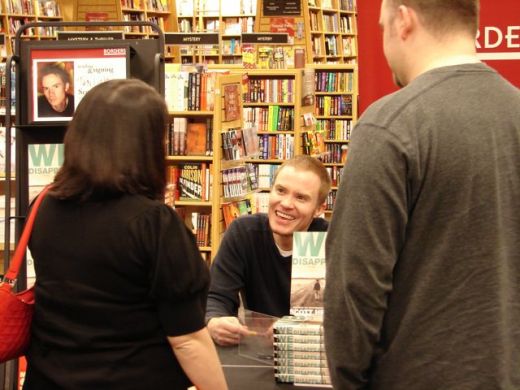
x: 61, y: 78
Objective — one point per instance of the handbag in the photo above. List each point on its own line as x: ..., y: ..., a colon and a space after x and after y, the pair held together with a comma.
x: 16, y: 309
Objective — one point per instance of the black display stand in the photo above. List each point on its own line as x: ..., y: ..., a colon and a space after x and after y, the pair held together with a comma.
x: 145, y: 62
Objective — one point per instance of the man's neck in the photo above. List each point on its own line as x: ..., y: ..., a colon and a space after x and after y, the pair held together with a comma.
x: 283, y: 242
x: 437, y: 54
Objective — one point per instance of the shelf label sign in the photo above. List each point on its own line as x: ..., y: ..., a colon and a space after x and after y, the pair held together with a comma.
x: 282, y: 7
x: 89, y: 35
x: 265, y: 38
x: 191, y: 38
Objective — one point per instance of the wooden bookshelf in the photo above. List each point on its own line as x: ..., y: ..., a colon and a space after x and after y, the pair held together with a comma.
x: 191, y: 156
x: 156, y: 11
x: 331, y: 31
x: 16, y: 13
x: 335, y: 110
x: 228, y: 18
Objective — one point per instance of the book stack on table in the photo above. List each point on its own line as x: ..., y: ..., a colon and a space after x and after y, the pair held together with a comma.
x: 299, y: 351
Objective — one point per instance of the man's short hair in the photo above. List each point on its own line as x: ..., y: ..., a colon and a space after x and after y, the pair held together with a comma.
x: 311, y: 164
x: 444, y: 16
x: 56, y: 69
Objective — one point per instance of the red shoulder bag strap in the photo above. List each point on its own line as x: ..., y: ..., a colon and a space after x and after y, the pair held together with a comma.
x: 19, y: 253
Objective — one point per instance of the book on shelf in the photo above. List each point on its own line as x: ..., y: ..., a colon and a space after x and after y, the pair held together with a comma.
x: 313, y: 142
x: 232, y: 210
x: 201, y: 228
x: 196, y: 133
x: 251, y: 141
x: 231, y: 102
x: 233, y: 144
x: 194, y: 181
x: 248, y: 56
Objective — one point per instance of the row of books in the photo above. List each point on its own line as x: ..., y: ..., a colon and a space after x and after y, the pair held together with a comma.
x: 333, y: 105
x: 313, y: 142
x: 349, y: 46
x: 335, y: 173
x: 190, y: 137
x: 335, y: 154
x: 20, y: 7
x: 3, y: 89
x: 335, y: 129
x: 191, y: 181
x: 331, y: 45
x: 333, y: 81
x: 233, y: 210
x: 187, y: 89
x: 331, y: 199
x: 267, y: 57
x: 272, y: 118
x: 276, y: 147
x: 157, y: 5
x: 256, y: 202
x: 199, y: 223
x: 279, y: 90
x: 189, y: 8
x: 240, y: 180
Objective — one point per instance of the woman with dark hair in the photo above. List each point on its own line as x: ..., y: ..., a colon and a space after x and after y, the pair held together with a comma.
x: 119, y: 279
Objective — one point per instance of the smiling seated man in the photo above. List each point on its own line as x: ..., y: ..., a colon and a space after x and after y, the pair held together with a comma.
x: 255, y: 255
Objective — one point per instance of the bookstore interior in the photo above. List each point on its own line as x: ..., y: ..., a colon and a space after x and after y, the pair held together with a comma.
x: 248, y: 84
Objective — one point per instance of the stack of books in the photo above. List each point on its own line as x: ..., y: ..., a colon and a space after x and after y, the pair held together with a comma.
x: 299, y: 349
x: 299, y: 352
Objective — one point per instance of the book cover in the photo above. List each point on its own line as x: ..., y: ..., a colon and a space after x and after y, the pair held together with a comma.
x: 231, y: 102
x: 190, y: 182
x: 308, y: 274
x: 251, y: 143
x: 196, y: 134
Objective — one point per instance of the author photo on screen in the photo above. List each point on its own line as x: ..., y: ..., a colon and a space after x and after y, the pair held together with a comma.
x: 55, y: 98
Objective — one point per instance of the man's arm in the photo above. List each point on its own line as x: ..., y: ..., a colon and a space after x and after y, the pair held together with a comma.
x: 227, y: 279
x: 365, y: 236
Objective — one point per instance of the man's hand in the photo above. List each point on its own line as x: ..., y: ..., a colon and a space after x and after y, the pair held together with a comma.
x: 226, y: 331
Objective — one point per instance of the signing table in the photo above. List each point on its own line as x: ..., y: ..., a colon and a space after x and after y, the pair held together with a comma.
x: 243, y: 373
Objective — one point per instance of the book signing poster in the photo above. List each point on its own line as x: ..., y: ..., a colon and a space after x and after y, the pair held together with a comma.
x: 497, y: 43
x: 82, y: 68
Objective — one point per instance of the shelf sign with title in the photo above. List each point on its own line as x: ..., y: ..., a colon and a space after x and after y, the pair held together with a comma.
x: 89, y: 35
x: 191, y: 38
x: 282, y: 7
x: 265, y: 38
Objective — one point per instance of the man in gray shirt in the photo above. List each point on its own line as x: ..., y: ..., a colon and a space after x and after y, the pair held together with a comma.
x: 423, y: 250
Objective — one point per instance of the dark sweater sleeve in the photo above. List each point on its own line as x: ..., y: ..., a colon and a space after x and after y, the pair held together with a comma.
x: 228, y: 273
x: 178, y: 276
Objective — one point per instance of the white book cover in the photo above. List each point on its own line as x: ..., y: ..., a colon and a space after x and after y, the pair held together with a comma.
x: 308, y: 274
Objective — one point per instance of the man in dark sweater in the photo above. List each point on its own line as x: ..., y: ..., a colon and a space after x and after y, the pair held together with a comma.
x: 423, y: 250
x: 254, y: 258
